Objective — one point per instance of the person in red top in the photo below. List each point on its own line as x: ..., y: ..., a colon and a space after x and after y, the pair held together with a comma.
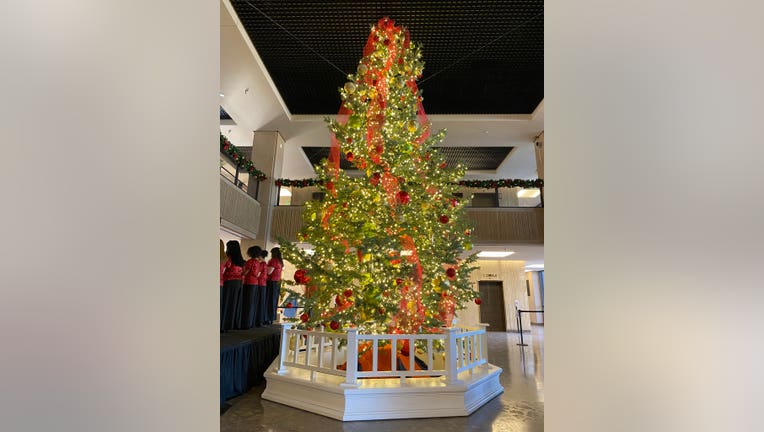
x: 232, y: 270
x: 275, y: 266
x: 262, y: 281
x: 249, y: 299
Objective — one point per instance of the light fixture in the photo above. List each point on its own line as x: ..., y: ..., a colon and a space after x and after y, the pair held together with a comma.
x: 535, y: 266
x: 284, y: 192
x: 528, y: 193
x: 494, y: 254
x: 221, y: 94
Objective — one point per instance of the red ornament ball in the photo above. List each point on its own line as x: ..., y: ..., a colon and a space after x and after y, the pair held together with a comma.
x: 443, y: 165
x: 304, y: 317
x: 301, y: 276
x: 349, y: 140
x: 374, y: 180
x: 349, y: 156
x: 381, y: 311
x: 329, y: 185
x: 334, y: 325
x: 451, y: 273
x: 443, y: 219
x: 398, y: 281
x: 348, y: 292
x: 478, y: 301
x: 404, y: 197
x: 339, y: 300
x: 289, y: 305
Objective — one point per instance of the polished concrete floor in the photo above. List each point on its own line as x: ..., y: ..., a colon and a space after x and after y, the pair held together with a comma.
x: 519, y: 408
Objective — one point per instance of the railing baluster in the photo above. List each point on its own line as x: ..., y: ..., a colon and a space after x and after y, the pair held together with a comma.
x: 430, y: 364
x: 334, y: 353
x: 320, y: 351
x: 374, y: 353
x: 308, y: 350
x: 393, y: 351
x: 412, y: 354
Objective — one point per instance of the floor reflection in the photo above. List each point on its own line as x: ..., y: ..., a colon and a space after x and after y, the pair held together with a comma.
x: 519, y: 408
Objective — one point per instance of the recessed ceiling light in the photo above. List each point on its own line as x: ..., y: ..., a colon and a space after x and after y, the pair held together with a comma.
x: 534, y: 266
x: 528, y: 193
x: 221, y: 94
x: 494, y: 254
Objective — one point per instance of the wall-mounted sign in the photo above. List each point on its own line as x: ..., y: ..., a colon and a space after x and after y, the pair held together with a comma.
x: 490, y: 275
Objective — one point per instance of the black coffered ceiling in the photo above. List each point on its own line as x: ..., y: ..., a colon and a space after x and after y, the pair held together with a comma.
x: 481, y: 57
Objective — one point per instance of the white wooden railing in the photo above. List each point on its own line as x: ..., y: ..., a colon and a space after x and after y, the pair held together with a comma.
x: 319, y: 352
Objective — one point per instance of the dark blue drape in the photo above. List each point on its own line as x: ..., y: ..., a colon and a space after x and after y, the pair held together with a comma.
x: 242, y: 365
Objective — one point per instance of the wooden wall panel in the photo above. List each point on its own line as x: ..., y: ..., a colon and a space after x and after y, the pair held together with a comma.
x: 492, y: 225
x: 286, y: 221
x: 505, y: 225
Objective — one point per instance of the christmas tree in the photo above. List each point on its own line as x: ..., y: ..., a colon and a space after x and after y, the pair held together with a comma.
x: 386, y: 243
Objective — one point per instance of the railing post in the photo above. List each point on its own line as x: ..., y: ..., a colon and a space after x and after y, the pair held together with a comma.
x: 352, y: 359
x: 484, y: 343
x: 284, y: 347
x: 452, y: 376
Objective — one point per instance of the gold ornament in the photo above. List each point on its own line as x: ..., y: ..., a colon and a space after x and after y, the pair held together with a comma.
x: 362, y: 69
x: 411, y: 126
x: 350, y: 87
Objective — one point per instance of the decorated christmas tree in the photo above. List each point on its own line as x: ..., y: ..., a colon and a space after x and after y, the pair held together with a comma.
x: 386, y: 243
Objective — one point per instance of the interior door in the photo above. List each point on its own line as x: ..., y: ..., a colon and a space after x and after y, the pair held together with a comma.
x: 492, y: 308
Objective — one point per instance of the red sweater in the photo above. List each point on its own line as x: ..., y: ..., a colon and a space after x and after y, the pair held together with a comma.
x: 231, y: 271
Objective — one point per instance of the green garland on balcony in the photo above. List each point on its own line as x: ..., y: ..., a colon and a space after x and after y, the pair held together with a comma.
x: 239, y: 159
x: 298, y: 183
x: 481, y: 184
x: 492, y: 184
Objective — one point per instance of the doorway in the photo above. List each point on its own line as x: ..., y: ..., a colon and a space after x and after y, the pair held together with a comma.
x: 492, y: 308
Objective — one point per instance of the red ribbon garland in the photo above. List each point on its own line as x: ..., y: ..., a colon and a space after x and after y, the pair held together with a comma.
x: 375, y: 148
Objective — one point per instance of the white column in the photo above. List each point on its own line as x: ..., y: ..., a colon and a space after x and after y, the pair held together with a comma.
x: 268, y: 157
x: 352, y: 359
x: 284, y: 347
x: 452, y: 376
x: 484, y: 342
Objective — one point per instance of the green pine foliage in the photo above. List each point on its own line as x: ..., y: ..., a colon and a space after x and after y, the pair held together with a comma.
x: 364, y: 270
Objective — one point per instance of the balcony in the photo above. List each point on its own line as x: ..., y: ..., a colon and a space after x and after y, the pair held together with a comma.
x: 499, y: 215
x: 238, y: 210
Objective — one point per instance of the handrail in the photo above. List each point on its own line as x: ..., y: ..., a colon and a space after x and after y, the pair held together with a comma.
x: 318, y: 351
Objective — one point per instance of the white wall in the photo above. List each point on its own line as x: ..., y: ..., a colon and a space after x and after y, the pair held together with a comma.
x: 512, y: 276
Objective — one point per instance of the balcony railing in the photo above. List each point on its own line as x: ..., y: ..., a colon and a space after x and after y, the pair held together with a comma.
x: 240, y: 178
x: 499, y: 197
